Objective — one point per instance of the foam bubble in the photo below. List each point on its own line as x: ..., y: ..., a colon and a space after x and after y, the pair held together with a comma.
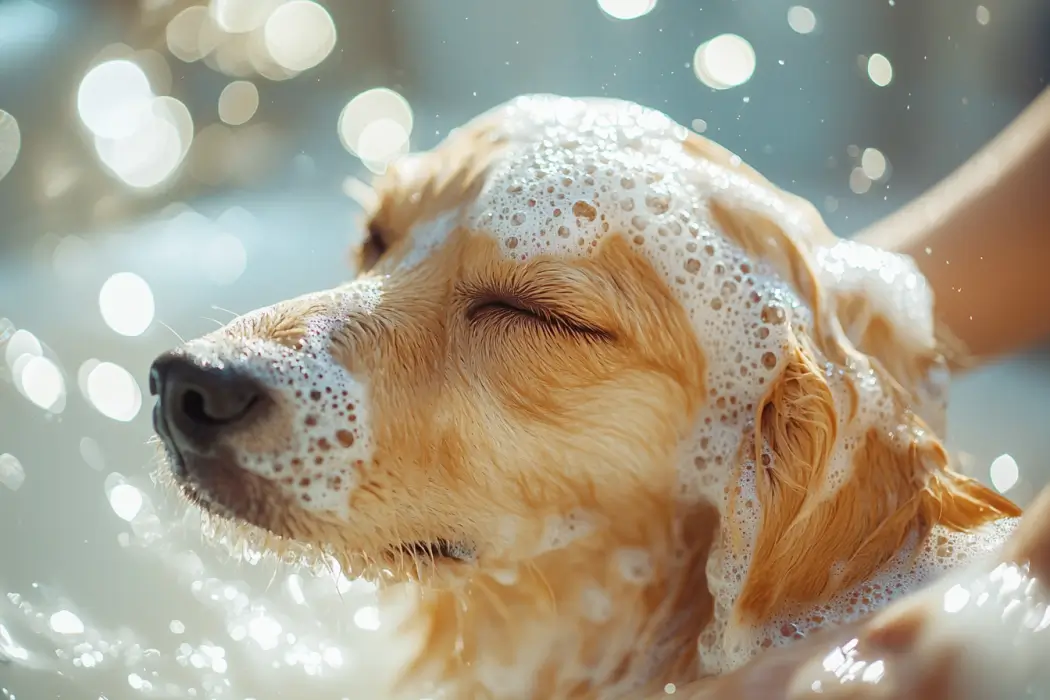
x: 574, y: 171
x: 331, y: 437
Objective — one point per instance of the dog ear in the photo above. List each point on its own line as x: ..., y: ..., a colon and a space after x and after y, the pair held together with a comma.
x: 820, y: 535
x: 421, y: 186
x: 795, y: 431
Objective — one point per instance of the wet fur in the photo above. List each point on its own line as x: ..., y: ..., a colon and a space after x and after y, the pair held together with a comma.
x: 484, y: 424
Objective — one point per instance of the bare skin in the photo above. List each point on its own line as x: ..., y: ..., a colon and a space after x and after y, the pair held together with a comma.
x: 982, y: 238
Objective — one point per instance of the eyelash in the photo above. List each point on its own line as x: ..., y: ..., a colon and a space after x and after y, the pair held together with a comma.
x: 510, y: 306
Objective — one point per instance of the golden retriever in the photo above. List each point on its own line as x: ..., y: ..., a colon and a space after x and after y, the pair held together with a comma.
x: 625, y: 413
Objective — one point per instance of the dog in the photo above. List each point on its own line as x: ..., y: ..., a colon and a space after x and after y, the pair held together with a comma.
x: 623, y: 414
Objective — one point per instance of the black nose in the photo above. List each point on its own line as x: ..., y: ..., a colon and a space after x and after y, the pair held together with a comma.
x: 197, y: 403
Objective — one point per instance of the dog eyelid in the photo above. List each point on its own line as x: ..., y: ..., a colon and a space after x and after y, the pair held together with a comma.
x: 520, y: 305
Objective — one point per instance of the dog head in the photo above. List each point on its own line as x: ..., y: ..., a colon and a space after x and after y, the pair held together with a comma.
x: 579, y: 330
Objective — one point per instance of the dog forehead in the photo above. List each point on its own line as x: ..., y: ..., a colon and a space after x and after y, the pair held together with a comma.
x: 563, y: 173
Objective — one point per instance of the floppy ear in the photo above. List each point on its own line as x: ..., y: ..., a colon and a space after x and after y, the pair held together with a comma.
x: 422, y: 186
x: 811, y: 544
x: 817, y: 538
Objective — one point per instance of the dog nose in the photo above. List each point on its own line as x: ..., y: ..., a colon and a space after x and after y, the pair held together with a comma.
x: 197, y: 404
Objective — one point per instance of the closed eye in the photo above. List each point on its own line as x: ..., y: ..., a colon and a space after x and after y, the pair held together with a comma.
x: 511, y: 307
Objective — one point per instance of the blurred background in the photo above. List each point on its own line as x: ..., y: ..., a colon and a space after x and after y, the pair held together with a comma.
x: 165, y: 164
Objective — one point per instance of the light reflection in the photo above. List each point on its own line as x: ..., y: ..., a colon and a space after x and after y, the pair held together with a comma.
x: 21, y: 342
x: 724, y: 62
x: 113, y: 98
x: 153, y: 151
x: 238, y: 102
x: 113, y: 391
x: 9, y: 648
x: 873, y: 163
x: 10, y: 142
x: 90, y: 451
x: 859, y: 181
x: 801, y: 19
x: 880, y: 70
x: 300, y: 34
x: 240, y: 16
x: 955, y: 599
x: 41, y: 381
x: 265, y: 631
x: 140, y: 137
x: 1004, y: 473
x: 126, y: 501
x: 183, y: 33
x: 12, y: 475
x: 626, y: 9
x: 367, y: 618
x: 126, y: 303
x: 376, y: 126
x: 66, y: 622
x: 381, y: 140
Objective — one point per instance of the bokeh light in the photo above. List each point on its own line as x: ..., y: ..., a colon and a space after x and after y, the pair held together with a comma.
x: 1004, y: 473
x: 66, y: 622
x: 802, y: 19
x: 113, y: 391
x: 151, y: 154
x: 300, y: 34
x: 10, y: 142
x: 880, y: 70
x: 376, y: 126
x: 113, y: 99
x: 626, y: 9
x: 12, y: 474
x: 724, y: 62
x: 240, y: 16
x: 367, y: 618
x: 126, y: 303
x: 140, y: 137
x: 41, y: 381
x: 983, y: 15
x: 21, y: 343
x: 184, y: 33
x: 126, y: 501
x: 238, y: 102
x: 90, y: 451
x: 873, y: 163
x: 859, y: 181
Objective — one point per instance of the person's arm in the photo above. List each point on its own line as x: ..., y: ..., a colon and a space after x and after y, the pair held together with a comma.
x: 982, y: 238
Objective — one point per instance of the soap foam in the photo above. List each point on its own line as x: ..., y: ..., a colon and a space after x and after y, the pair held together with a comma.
x: 330, y: 438
x: 573, y: 171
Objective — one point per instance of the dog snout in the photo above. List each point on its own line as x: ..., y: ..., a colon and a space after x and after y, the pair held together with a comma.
x: 199, y: 404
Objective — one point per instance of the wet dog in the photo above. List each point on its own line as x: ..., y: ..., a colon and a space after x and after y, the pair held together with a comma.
x: 625, y: 412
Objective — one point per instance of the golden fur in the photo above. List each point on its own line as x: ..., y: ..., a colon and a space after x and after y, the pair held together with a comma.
x: 487, y: 424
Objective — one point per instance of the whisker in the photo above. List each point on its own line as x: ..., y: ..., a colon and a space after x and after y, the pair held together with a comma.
x: 180, y: 338
x: 226, y: 311
x: 217, y: 322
